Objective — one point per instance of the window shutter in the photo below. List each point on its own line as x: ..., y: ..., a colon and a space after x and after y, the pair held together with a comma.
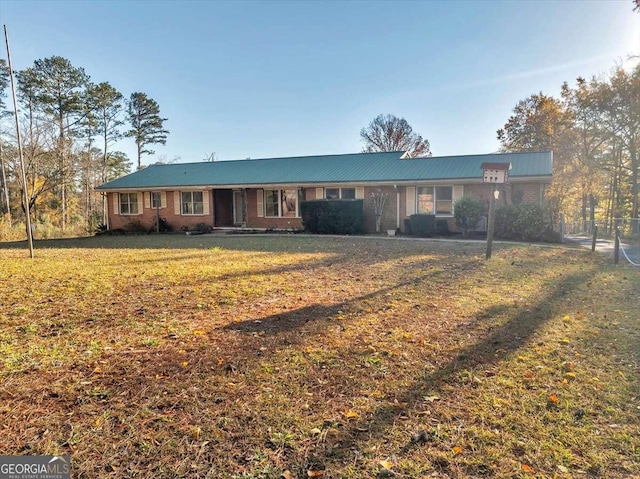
x: 176, y: 202
x: 319, y: 193
x: 163, y: 199
x: 260, y: 203
x: 140, y: 195
x: 360, y: 193
x: 411, y: 200
x: 116, y: 203
x: 205, y: 202
x: 147, y: 199
x: 456, y: 194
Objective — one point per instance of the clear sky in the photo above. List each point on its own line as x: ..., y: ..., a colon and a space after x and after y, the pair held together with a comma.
x: 265, y: 79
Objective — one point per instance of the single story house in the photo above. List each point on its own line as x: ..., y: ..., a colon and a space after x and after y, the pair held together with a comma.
x: 266, y: 193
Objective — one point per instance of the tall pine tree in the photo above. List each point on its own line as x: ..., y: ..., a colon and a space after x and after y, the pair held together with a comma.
x: 147, y: 126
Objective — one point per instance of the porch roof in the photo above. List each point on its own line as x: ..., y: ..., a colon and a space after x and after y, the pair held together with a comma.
x: 330, y: 169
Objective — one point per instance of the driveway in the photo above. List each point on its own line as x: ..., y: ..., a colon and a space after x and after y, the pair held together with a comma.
x: 607, y: 246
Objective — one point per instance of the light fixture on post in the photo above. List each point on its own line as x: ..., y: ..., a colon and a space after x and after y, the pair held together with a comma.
x: 493, y: 173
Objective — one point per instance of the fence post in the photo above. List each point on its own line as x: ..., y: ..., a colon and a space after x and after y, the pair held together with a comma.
x: 593, y: 240
x: 616, y: 247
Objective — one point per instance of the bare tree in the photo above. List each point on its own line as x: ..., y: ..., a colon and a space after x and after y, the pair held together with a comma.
x: 390, y: 133
x: 4, y: 204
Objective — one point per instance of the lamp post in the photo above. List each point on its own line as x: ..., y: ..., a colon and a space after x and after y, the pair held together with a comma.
x: 493, y: 173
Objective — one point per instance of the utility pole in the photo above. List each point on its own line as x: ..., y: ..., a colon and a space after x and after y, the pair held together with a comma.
x: 23, y: 176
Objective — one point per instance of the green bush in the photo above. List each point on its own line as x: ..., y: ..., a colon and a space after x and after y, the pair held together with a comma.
x: 203, y: 228
x: 523, y: 222
x: 345, y: 217
x: 135, y: 227
x: 423, y: 225
x: 100, y: 229
x: 467, y: 212
x: 442, y: 227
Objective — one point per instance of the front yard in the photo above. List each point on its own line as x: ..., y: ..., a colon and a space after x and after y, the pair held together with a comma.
x: 300, y: 357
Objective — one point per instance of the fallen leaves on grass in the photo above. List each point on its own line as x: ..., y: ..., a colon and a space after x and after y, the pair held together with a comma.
x: 259, y: 311
x: 349, y: 414
x: 527, y: 468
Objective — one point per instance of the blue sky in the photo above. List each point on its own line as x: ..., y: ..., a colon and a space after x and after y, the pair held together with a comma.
x: 265, y: 79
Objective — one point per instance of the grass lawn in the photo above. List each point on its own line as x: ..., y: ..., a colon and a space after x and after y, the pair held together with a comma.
x: 296, y: 357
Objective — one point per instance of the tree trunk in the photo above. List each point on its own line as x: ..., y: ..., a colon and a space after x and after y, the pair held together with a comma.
x: 63, y: 172
x: 634, y: 180
x: 5, y: 186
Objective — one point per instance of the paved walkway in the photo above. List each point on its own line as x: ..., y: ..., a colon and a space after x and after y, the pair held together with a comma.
x: 607, y: 246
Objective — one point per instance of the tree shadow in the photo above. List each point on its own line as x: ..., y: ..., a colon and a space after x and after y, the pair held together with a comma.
x: 301, y: 317
x: 519, y: 328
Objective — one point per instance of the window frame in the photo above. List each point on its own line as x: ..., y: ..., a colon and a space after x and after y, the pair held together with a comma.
x: 130, y: 203
x: 340, y: 193
x: 152, y: 196
x: 279, y: 193
x: 435, y: 200
x: 449, y: 201
x: 192, y: 203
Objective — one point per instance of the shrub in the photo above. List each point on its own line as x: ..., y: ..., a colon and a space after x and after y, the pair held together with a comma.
x: 442, y: 227
x: 423, y: 225
x: 135, y: 227
x: 165, y: 227
x: 333, y: 216
x: 204, y: 228
x: 523, y: 222
x: 101, y: 229
x: 467, y: 212
x: 160, y: 225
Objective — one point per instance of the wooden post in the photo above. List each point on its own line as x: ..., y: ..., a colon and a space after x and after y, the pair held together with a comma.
x: 593, y: 240
x: 490, y: 226
x: 23, y: 176
x: 157, y: 212
x: 616, y: 247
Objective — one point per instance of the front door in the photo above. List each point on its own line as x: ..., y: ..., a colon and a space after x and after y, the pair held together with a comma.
x: 223, y: 208
x: 238, y: 207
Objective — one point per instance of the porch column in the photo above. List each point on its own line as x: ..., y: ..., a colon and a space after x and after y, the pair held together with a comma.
x: 244, y: 207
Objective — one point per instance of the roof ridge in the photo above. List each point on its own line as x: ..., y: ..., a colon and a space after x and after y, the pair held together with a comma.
x: 279, y: 158
x: 481, y: 154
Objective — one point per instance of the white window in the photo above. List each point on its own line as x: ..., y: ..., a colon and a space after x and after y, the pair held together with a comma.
x: 436, y: 200
x: 129, y: 203
x: 156, y: 199
x: 340, y: 193
x: 444, y: 200
x: 281, y: 203
x: 192, y: 203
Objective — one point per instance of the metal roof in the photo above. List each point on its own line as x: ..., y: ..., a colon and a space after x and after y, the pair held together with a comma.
x: 388, y: 167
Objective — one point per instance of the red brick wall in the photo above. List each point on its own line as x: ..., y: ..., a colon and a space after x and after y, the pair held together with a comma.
x: 526, y: 192
x: 510, y: 193
x: 148, y: 216
x: 388, y: 214
x: 278, y: 223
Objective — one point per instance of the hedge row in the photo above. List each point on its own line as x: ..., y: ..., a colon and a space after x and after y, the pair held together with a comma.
x: 344, y: 217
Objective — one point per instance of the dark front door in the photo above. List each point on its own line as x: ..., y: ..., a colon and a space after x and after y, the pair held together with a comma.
x: 223, y: 207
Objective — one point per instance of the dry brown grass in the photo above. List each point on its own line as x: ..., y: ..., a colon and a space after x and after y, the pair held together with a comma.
x: 291, y: 357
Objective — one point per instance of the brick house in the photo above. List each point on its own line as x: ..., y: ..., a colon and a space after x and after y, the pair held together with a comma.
x: 266, y: 193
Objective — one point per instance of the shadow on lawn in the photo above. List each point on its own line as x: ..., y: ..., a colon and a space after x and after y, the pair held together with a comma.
x: 521, y: 325
x: 285, y: 243
x: 290, y: 320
